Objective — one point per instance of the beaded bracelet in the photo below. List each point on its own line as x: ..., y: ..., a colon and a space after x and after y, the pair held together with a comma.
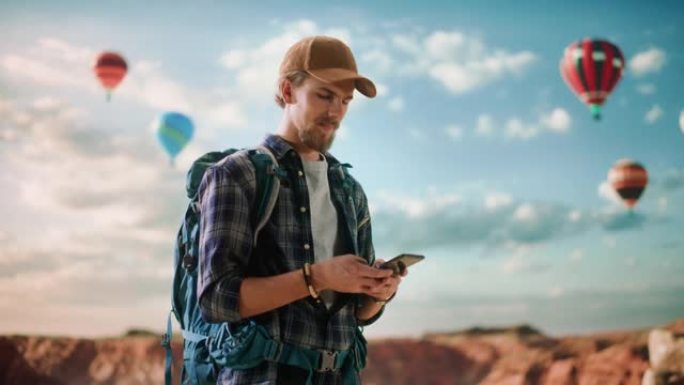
x: 307, y: 279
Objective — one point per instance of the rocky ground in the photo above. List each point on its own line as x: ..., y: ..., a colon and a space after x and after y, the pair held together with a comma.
x: 510, y: 356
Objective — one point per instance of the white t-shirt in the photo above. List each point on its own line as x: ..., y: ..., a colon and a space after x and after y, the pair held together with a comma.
x: 324, y: 221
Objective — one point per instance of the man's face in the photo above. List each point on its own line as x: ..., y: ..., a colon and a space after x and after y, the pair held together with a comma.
x: 318, y: 110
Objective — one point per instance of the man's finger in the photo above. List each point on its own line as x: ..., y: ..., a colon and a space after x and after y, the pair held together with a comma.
x: 370, y: 284
x: 372, y: 272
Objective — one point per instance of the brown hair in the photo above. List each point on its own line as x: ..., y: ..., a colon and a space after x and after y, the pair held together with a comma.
x: 295, y: 77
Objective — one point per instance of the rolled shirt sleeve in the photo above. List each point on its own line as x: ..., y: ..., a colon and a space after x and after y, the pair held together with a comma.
x: 364, y: 242
x: 225, y: 197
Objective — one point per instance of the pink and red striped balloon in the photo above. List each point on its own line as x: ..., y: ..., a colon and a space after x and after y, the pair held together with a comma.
x: 110, y: 69
x: 592, y: 68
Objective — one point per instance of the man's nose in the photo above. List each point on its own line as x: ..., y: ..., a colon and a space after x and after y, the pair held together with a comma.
x: 335, y: 109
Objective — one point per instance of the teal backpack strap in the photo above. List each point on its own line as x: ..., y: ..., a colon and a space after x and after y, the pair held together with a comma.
x: 347, y: 180
x: 166, y: 343
x: 268, y: 173
x: 252, y: 345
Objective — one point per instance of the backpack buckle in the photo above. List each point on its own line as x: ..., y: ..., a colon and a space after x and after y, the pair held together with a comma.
x: 188, y: 262
x: 165, y: 340
x: 326, y: 361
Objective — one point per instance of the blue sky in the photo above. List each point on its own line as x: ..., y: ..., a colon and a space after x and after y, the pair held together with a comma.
x: 475, y: 153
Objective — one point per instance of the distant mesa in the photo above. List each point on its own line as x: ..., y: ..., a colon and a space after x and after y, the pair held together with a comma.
x: 518, y: 354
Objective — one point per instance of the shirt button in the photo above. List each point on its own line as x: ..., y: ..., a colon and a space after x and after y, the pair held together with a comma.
x: 306, y: 246
x: 302, y: 209
x: 300, y: 173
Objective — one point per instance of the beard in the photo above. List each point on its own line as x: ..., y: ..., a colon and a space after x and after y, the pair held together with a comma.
x: 313, y: 137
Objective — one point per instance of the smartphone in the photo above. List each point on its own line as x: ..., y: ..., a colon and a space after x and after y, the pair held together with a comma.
x: 399, y: 263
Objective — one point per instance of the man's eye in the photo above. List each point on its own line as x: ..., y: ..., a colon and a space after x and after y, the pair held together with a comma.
x: 325, y: 97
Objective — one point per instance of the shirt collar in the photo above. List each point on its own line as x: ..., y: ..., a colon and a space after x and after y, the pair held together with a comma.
x: 280, y: 148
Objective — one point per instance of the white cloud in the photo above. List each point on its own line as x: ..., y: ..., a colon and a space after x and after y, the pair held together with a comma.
x: 461, y: 63
x: 256, y: 69
x: 227, y: 114
x: 52, y: 62
x: 649, y: 61
x: 396, y: 104
x: 49, y: 156
x: 663, y: 203
x: 521, y: 260
x: 646, y: 88
x: 607, y: 192
x: 454, y: 132
x: 47, y: 125
x: 517, y: 129
x: 485, y: 125
x: 497, y: 200
x: 525, y: 213
x: 450, y: 219
x: 408, y: 44
x: 343, y: 133
x: 610, y: 242
x: 42, y: 73
x: 514, y: 264
x: 381, y: 60
x: 417, y: 207
x: 382, y: 89
x: 57, y: 63
x: 149, y: 85
x: 106, y: 208
x: 557, y: 121
x: 233, y: 59
x: 556, y: 292
x: 575, y: 216
x: 653, y: 114
x: 577, y: 255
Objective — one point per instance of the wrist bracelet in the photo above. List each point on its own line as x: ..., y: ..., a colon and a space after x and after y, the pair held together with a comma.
x: 307, y: 279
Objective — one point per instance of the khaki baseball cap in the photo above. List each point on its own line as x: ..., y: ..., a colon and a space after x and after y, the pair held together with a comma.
x: 327, y: 59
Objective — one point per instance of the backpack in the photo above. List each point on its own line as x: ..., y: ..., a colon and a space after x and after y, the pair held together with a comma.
x: 199, y: 336
x: 209, y: 346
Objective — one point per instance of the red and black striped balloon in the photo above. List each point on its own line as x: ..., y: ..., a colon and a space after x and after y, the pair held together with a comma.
x: 110, y: 69
x: 592, y: 68
x: 629, y: 179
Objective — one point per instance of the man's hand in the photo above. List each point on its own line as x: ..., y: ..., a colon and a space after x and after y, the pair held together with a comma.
x: 389, y: 285
x: 351, y: 274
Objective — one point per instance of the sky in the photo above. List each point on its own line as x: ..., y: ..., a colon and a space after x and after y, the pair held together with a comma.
x: 475, y: 153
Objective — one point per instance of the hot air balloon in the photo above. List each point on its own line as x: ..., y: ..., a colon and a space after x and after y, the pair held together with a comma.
x: 592, y: 68
x: 174, y: 131
x: 629, y: 179
x: 110, y: 69
x: 681, y: 121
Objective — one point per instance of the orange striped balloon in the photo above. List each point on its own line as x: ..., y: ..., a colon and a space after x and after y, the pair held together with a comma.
x: 110, y: 69
x: 629, y: 179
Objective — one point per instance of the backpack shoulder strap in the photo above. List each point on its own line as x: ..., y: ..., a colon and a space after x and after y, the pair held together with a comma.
x: 267, y: 172
x: 256, y: 346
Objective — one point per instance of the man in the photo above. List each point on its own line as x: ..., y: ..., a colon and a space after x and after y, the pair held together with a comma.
x: 311, y: 278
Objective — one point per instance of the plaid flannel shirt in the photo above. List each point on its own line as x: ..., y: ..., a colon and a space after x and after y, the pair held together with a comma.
x: 227, y: 254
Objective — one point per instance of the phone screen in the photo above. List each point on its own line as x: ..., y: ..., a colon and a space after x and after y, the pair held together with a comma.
x: 399, y: 263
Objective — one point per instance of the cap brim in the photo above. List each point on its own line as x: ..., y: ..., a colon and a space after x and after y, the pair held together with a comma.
x: 333, y: 75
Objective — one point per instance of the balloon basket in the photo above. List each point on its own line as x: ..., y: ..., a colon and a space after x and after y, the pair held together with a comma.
x: 595, y: 112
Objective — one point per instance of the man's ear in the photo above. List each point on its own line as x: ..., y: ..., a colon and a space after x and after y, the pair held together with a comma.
x: 287, y: 90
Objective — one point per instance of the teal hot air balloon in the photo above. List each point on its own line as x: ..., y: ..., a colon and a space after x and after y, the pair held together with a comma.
x: 174, y: 131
